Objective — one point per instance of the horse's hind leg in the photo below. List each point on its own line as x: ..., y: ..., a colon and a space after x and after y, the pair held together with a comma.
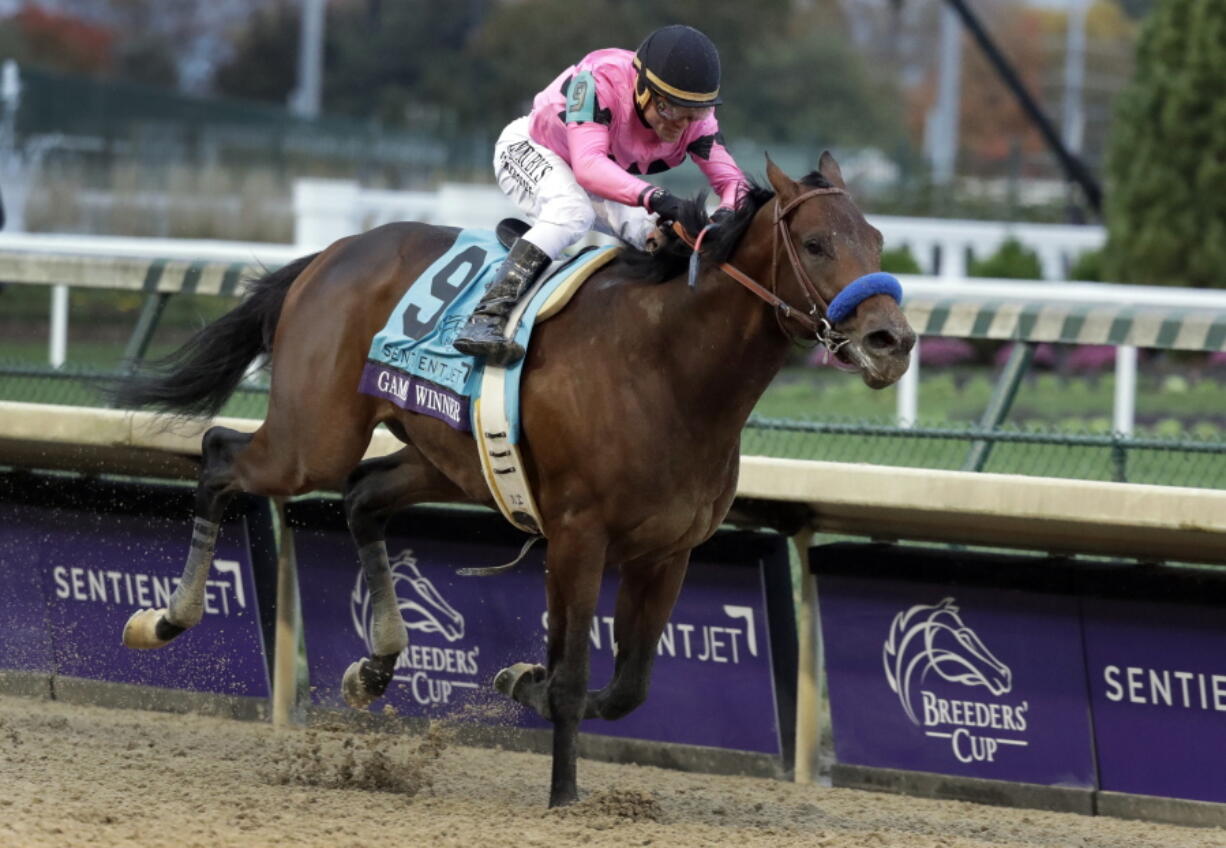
x: 644, y: 603
x: 376, y: 489
x: 153, y: 628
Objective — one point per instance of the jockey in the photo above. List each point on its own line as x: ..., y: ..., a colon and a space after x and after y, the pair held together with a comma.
x: 573, y: 163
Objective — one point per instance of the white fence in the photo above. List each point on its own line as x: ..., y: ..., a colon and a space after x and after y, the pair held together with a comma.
x: 112, y: 262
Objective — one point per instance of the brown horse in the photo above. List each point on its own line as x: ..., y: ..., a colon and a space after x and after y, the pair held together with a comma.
x: 633, y: 402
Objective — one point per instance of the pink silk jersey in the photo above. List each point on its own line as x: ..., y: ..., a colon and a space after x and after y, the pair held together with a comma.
x: 606, y: 152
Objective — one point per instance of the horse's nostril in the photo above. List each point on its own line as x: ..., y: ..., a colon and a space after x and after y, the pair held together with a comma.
x: 881, y: 341
x: 889, y: 342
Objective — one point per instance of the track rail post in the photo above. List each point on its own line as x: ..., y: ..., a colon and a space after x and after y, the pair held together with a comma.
x: 289, y: 625
x: 808, y: 674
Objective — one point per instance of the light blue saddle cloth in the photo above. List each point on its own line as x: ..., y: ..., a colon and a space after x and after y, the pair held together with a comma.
x: 412, y: 362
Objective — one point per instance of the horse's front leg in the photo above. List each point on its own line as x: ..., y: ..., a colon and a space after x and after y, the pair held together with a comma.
x: 645, y: 601
x: 575, y: 563
x: 153, y: 628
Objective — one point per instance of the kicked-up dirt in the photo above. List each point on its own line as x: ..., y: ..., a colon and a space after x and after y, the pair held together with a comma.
x: 86, y: 776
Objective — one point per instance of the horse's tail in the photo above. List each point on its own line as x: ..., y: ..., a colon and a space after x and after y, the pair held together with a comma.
x: 197, y: 378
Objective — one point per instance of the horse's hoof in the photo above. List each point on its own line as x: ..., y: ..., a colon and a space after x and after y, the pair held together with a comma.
x: 140, y: 631
x: 363, y: 683
x: 355, y: 693
x: 510, y: 679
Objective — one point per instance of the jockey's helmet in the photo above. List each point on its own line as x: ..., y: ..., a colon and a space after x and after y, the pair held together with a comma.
x: 680, y: 64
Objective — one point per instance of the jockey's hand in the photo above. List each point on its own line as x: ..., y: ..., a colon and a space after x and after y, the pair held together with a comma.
x: 721, y: 215
x: 665, y: 204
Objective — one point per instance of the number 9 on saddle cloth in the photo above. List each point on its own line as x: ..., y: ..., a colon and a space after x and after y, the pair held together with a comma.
x: 412, y: 362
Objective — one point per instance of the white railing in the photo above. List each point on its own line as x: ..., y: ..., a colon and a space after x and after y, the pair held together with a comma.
x: 1156, y: 302
x: 97, y: 262
x: 942, y: 245
x: 68, y: 244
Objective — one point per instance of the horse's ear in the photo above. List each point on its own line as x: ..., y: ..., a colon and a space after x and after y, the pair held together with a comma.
x: 785, y: 187
x: 828, y: 168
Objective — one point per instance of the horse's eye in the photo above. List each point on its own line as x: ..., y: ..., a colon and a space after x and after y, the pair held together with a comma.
x: 815, y: 247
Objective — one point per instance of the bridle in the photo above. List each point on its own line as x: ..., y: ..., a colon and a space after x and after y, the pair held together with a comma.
x: 812, y: 320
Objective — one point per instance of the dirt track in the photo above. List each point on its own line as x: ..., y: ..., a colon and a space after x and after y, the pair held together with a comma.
x: 85, y: 776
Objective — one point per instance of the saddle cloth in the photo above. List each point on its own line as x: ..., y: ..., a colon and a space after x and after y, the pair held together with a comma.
x: 413, y: 364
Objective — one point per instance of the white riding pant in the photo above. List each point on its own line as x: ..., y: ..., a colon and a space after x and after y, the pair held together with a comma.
x: 561, y: 212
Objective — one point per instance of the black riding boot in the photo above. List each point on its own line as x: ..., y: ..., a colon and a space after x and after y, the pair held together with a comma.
x: 482, y: 335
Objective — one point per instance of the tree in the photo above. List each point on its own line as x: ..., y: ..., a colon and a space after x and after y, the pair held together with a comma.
x: 992, y: 126
x: 264, y: 64
x: 1166, y: 164
x: 399, y: 61
x: 463, y: 69
x: 1138, y: 8
x: 58, y: 42
x: 807, y: 85
x: 165, y: 42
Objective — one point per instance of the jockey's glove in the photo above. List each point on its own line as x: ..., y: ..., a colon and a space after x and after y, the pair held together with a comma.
x: 720, y: 215
x: 665, y: 204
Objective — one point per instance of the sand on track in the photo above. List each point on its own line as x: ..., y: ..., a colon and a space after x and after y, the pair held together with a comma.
x: 73, y: 775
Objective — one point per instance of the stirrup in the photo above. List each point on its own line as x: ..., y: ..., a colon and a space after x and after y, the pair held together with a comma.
x: 486, y: 341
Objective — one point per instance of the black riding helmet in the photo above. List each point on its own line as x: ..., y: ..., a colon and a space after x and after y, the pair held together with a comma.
x: 680, y: 64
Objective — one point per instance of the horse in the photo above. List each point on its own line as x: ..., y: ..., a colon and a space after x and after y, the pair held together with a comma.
x: 632, y: 406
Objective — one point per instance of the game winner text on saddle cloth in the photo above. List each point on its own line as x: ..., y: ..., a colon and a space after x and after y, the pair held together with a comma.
x: 412, y: 361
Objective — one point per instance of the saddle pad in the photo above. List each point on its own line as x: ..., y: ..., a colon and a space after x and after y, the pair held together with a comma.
x: 412, y: 362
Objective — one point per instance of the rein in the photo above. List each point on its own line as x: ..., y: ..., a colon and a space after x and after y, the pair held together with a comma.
x: 814, y: 320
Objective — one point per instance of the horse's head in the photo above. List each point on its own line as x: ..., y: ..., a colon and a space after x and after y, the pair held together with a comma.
x: 823, y: 245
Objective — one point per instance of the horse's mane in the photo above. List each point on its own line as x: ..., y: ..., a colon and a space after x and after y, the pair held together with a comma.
x: 672, y: 259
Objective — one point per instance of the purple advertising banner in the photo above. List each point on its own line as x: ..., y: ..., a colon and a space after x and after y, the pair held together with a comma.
x: 1157, y: 675
x: 712, y: 684
x: 25, y: 642
x: 95, y: 569
x: 958, y: 680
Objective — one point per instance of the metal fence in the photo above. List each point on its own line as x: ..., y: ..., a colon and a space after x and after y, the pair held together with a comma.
x: 162, y: 124
x: 1181, y: 461
x: 1177, y: 461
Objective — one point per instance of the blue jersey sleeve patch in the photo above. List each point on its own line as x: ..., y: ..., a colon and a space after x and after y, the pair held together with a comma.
x: 581, y: 99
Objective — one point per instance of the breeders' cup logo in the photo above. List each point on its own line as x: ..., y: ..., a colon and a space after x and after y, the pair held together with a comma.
x: 429, y: 671
x: 933, y: 638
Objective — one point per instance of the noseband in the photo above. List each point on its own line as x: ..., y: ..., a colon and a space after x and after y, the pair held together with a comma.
x: 819, y: 319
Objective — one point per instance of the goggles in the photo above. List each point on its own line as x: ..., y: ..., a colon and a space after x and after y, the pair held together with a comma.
x: 671, y: 112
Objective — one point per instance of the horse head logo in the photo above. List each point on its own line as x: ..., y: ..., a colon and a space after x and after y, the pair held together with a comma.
x: 933, y: 638
x: 421, y: 606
